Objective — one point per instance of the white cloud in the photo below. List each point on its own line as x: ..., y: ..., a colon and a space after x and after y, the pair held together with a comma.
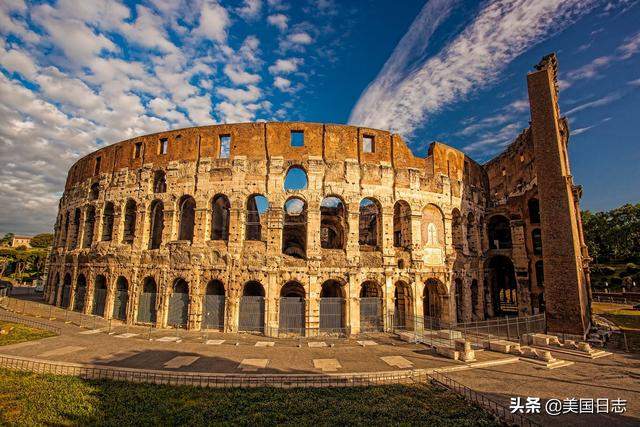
x: 278, y: 4
x: 252, y: 93
x: 239, y: 76
x: 630, y: 47
x: 410, y: 88
x: 250, y: 9
x: 282, y: 84
x: 278, y: 20
x: 15, y: 60
x: 605, y: 100
x: 635, y: 82
x: 300, y: 37
x: 214, y: 20
x: 285, y: 66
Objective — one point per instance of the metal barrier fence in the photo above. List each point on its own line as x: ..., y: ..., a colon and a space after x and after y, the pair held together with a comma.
x: 199, y: 379
x: 615, y: 299
x: 425, y: 329
x: 479, y: 399
x: 8, y: 317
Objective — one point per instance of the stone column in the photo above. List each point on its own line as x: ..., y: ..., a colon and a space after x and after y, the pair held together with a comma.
x: 314, y: 249
x: 108, y: 304
x: 90, y: 290
x: 313, y: 305
x: 389, y: 301
x: 418, y: 303
x: 353, y: 301
x: 195, y: 303
x: 353, y: 225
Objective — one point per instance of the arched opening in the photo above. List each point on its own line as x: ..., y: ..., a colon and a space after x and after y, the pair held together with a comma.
x: 295, y: 179
x: 179, y: 304
x: 89, y: 224
x: 107, y: 222
x: 371, y: 307
x: 157, y: 224
x: 499, y: 233
x: 333, y: 223
x: 187, y: 218
x: 292, y: 309
x: 471, y: 233
x: 456, y: 230
x: 294, y: 229
x: 99, y: 295
x: 130, y: 221
x: 214, y: 306
x: 534, y: 211
x: 536, y: 240
x: 402, y: 225
x: 502, y: 280
x: 76, y: 228
x: 431, y: 303
x: 539, y: 274
x: 257, y: 206
x: 95, y: 191
x: 65, y: 301
x: 369, y: 229
x: 252, y: 307
x: 332, y: 310
x: 121, y: 299
x: 159, y: 182
x: 80, y: 294
x: 65, y: 233
x: 474, y: 298
x: 459, y: 302
x: 148, y: 299
x: 220, y: 208
x: 403, y: 307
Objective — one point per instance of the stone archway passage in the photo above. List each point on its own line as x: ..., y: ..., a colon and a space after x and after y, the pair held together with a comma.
x: 403, y: 318
x: 99, y: 295
x: 147, y: 304
x: 214, y: 306
x: 121, y: 299
x: 65, y: 301
x: 179, y: 304
x: 292, y: 309
x: 81, y: 291
x: 252, y: 308
x: 371, y: 307
x: 332, y: 310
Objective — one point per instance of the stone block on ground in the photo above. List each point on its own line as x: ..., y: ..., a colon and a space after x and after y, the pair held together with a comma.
x: 449, y: 334
x: 503, y: 346
x: 462, y: 345
x: 448, y: 352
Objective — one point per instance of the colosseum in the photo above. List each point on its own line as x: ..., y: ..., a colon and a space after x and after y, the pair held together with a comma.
x: 307, y: 228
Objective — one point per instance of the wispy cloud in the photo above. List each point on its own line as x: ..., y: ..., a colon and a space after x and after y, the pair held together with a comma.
x: 582, y: 130
x: 605, y: 100
x: 409, y: 88
x: 593, y: 69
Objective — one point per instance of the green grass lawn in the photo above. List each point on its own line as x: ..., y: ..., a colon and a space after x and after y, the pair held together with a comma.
x: 20, y: 333
x: 35, y: 399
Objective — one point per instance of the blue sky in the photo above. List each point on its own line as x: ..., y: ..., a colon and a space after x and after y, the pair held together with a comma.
x: 75, y: 75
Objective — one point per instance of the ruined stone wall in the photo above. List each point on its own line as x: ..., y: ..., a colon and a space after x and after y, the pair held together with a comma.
x: 332, y: 156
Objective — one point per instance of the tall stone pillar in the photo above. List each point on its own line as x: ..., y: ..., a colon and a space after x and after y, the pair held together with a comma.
x: 353, y: 301
x: 566, y: 293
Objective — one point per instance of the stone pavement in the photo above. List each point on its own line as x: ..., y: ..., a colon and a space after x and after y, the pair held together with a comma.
x: 613, y: 377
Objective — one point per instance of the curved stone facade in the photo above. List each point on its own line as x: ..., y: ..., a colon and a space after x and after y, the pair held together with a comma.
x: 208, y: 228
x: 396, y: 246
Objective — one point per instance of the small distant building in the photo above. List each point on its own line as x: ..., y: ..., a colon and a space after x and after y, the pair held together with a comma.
x: 18, y: 241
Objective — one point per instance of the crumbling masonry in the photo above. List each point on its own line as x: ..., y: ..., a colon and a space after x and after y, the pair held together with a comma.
x: 208, y: 228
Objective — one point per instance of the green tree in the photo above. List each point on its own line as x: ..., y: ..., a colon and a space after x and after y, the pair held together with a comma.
x: 43, y: 240
x: 6, y: 240
x: 613, y: 235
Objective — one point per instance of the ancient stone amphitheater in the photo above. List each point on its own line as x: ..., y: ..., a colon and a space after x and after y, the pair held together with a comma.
x: 301, y: 228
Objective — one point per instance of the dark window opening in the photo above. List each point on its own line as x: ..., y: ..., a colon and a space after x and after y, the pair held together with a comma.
x: 294, y: 230
x: 369, y: 225
x: 107, y: 222
x: 89, y: 224
x: 76, y: 228
x: 333, y: 223
x: 257, y: 206
x: 157, y: 224
x: 534, y: 211
x: 163, y: 146
x: 220, y: 208
x: 539, y: 274
x: 458, y: 291
x: 95, y: 191
x: 130, y: 221
x: 96, y: 170
x: 536, y: 238
x: 402, y: 225
x: 159, y: 182
x: 471, y: 235
x: 499, y: 233
x: 456, y: 230
x: 187, y: 218
x: 137, y: 150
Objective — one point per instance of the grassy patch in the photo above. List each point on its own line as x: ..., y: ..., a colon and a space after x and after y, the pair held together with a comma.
x: 19, y: 333
x: 35, y: 399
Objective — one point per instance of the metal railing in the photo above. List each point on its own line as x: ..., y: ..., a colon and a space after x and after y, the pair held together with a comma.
x: 500, y: 411
x: 223, y: 380
x: 8, y: 317
x: 432, y: 331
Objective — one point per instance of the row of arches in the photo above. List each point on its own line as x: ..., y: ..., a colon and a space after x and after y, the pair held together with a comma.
x: 292, y: 304
x: 333, y: 223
